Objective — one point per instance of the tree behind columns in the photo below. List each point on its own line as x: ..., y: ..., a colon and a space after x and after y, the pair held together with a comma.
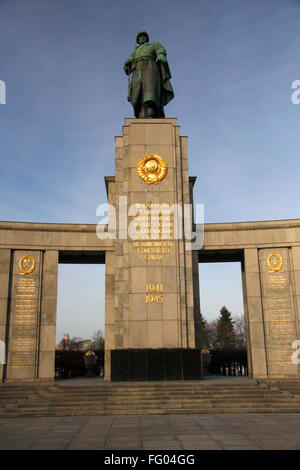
x: 225, y: 332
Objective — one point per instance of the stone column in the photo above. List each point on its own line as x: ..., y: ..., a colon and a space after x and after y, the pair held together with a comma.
x: 255, y: 320
x: 4, y: 295
x: 295, y: 262
x: 246, y: 319
x: 47, y: 339
x: 195, y: 263
x: 109, y: 310
x: 295, y: 266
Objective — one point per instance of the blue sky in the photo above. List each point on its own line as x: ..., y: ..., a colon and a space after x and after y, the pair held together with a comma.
x: 232, y: 63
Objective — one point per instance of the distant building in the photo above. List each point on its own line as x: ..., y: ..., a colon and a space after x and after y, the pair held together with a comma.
x: 67, y: 345
x: 82, y: 345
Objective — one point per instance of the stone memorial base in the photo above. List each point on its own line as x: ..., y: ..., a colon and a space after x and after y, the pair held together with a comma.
x: 155, y: 364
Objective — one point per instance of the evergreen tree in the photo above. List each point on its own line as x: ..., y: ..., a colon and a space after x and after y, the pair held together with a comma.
x: 225, y: 334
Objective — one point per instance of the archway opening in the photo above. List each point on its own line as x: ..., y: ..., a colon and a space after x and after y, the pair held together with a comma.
x: 224, y: 322
x: 80, y: 324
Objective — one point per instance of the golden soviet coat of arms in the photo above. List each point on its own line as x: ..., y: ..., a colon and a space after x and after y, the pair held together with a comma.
x: 275, y: 262
x: 152, y: 169
x: 27, y: 264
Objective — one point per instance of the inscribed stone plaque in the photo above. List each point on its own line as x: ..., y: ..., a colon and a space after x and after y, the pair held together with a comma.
x: 24, y: 315
x: 278, y: 309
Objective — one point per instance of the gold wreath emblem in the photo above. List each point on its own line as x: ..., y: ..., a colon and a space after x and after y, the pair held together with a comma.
x: 275, y: 262
x: 152, y: 169
x: 27, y: 264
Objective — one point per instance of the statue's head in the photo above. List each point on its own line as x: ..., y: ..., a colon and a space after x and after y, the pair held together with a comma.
x: 142, y: 37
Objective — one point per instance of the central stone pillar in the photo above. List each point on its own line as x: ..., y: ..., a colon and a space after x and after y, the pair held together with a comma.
x: 152, y: 334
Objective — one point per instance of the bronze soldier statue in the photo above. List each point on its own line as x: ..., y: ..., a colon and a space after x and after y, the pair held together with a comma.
x: 149, y: 89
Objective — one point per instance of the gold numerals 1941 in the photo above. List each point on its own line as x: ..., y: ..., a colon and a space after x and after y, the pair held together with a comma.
x: 154, y: 287
x: 151, y: 293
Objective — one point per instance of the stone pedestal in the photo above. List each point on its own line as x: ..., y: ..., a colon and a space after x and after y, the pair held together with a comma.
x: 153, y: 271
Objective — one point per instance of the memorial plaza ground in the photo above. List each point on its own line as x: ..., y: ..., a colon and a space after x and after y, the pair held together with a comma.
x: 253, y: 431
x: 220, y: 431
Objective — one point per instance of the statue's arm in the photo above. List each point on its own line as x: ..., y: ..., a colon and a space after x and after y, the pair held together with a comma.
x: 127, y: 65
x: 161, y: 52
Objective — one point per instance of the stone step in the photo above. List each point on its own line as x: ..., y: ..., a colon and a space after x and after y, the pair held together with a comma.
x: 173, y: 387
x: 195, y: 407
x: 145, y: 393
x: 106, y: 390
x: 129, y: 392
x: 169, y: 411
x: 158, y: 403
x: 12, y: 396
x: 141, y: 399
x: 151, y: 388
x: 290, y: 386
x: 215, y: 398
x: 159, y: 398
x: 235, y: 382
x: 126, y: 389
x: 159, y: 389
x: 114, y: 393
x: 154, y: 401
x: 144, y: 411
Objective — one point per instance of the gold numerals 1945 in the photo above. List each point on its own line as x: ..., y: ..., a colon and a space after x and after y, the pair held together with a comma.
x: 154, y: 293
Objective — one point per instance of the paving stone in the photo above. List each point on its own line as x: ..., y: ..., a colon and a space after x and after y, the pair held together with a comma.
x: 169, y: 437
x: 273, y: 442
x: 260, y: 432
x: 192, y: 437
x: 49, y: 445
x: 86, y: 444
x: 230, y: 438
x: 233, y: 447
x: 201, y: 446
x: 16, y: 444
x: 159, y: 445
x: 122, y: 443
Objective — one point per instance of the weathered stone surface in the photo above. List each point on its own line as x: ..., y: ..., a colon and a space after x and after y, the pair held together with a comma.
x: 132, y: 320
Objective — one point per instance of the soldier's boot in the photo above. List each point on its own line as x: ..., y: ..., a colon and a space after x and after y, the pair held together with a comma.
x: 150, y: 109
